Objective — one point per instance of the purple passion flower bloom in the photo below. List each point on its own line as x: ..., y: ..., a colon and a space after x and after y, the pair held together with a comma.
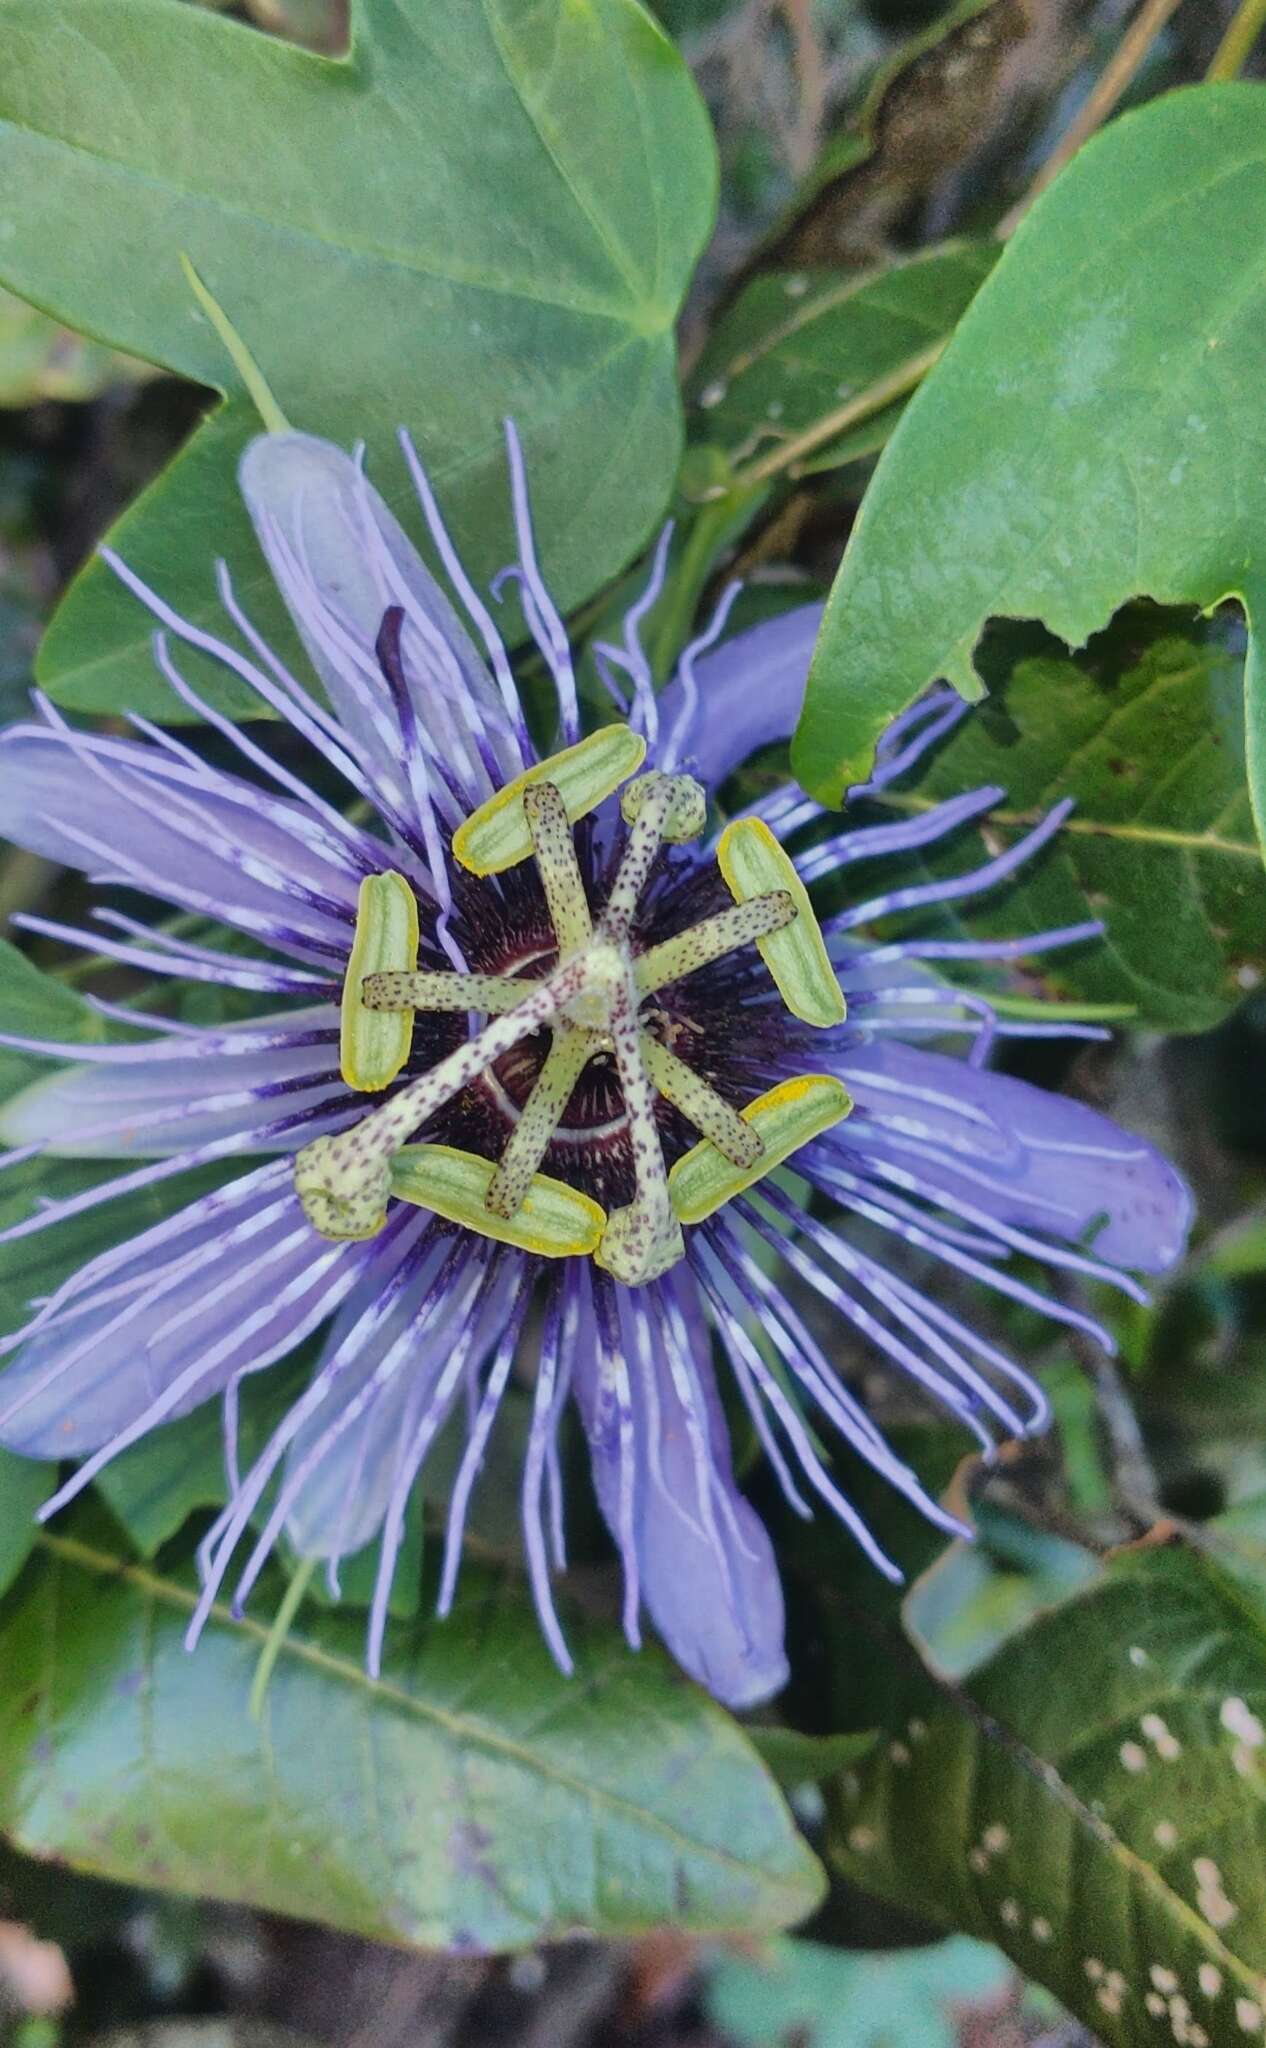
x: 531, y: 1042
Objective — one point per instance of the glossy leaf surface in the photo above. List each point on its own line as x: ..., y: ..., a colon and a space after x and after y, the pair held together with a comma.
x: 471, y: 1798
x: 1093, y: 432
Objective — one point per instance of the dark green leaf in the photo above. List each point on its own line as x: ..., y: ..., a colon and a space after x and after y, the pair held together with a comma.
x: 1092, y: 433
x: 797, y: 355
x: 471, y: 1798
x: 797, y: 1759
x: 1095, y: 1807
x: 24, y: 1487
x: 484, y: 211
x: 36, y: 1005
x: 1146, y: 733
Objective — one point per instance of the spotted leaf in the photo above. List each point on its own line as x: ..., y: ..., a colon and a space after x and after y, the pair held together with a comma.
x: 1095, y: 1803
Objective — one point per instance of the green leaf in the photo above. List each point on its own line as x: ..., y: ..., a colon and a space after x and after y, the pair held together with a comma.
x: 1095, y: 1805
x: 824, y: 1997
x: 35, y: 1005
x: 1239, y: 1251
x: 483, y: 211
x: 798, y: 355
x: 24, y: 1487
x: 1146, y: 733
x: 1092, y: 433
x: 473, y: 1797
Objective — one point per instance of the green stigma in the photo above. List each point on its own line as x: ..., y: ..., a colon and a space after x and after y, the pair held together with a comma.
x: 590, y: 1002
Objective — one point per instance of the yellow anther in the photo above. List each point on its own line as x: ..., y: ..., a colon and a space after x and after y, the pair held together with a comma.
x: 497, y: 836
x: 374, y: 1044
x: 785, y: 1118
x: 754, y: 864
x: 553, y: 1220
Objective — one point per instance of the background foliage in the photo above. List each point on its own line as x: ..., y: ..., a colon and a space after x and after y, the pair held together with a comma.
x: 1028, y: 1801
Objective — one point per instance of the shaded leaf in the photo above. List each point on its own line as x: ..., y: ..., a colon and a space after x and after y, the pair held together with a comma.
x: 1092, y: 433
x: 1238, y: 1251
x: 471, y: 1798
x: 1094, y: 1806
x: 831, y: 1998
x: 797, y: 1759
x: 797, y: 350
x: 977, y: 1595
x: 1146, y: 733
x: 502, y: 203
x: 930, y: 109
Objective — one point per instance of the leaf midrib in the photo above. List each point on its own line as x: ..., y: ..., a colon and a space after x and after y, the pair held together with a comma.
x: 70, y: 1551
x: 1150, y: 835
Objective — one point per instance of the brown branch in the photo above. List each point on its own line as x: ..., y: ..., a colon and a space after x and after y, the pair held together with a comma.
x: 1124, y: 66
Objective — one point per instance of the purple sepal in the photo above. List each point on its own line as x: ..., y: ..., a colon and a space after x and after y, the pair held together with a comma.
x: 705, y: 1564
x: 750, y: 692
x: 1036, y: 1160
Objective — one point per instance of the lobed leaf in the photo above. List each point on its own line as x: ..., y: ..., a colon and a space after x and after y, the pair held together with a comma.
x: 501, y: 203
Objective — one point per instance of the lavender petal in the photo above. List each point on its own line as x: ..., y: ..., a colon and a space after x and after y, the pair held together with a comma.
x: 705, y: 1563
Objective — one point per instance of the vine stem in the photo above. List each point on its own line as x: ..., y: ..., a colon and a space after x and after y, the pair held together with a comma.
x: 1122, y: 69
x: 872, y: 400
x: 1233, y: 51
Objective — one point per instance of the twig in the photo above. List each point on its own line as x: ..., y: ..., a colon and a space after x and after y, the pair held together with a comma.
x: 1236, y: 46
x: 802, y: 143
x: 1133, y: 48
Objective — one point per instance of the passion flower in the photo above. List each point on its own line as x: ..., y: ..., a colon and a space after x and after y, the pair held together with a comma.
x: 535, y: 1039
